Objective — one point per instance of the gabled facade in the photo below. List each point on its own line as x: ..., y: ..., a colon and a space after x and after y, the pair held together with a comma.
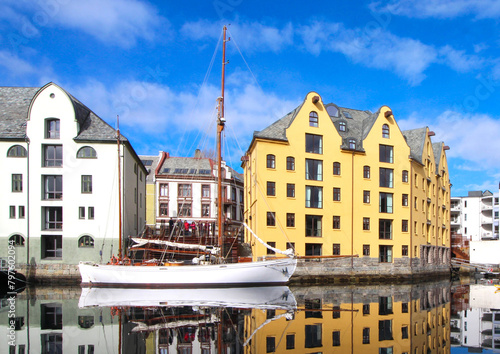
x: 349, y: 185
x: 60, y: 195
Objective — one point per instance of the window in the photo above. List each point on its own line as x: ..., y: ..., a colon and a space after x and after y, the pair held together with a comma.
x: 352, y: 144
x: 51, y: 247
x: 184, y: 191
x: 290, y: 341
x: 271, y: 188
x: 366, y: 223
x: 184, y: 209
x: 86, y: 152
x: 163, y: 209
x: 336, y: 222
x: 404, y: 250
x: 91, y: 213
x: 273, y: 245
x: 385, y: 229
x: 51, y: 343
x: 314, y: 197
x: 205, y: 191
x: 386, y: 177
x: 17, y: 151
x: 51, y: 316
x: 290, y: 190
x: 290, y: 163
x: 366, y: 335
x: 385, y: 254
x: 388, y: 350
x: 53, y: 155
x: 314, y: 170
x: 270, y: 344
x: 52, y: 129
x: 313, y: 336
x: 342, y: 126
x: 366, y: 250
x: 405, y: 176
x: 271, y: 161
x: 366, y: 197
x: 404, y: 225
x: 336, y: 168
x: 16, y: 240
x: 86, y: 241
x: 385, y: 330
x: 290, y: 220
x: 336, y: 311
x: 271, y: 218
x: 53, y: 188
x: 86, y: 322
x: 336, y: 338
x: 385, y: 305
x: 205, y: 210
x: 313, y: 119
x: 164, y: 189
x: 386, y: 153
x: 336, y: 249
x: 313, y: 225
x: 87, y: 184
x: 336, y: 194
x: 385, y: 131
x: 314, y: 143
x: 366, y: 171
x: 17, y: 182
x: 385, y: 203
x: 12, y: 212
x: 404, y: 307
x: 404, y: 332
x: 366, y: 309
x: 81, y: 212
x: 53, y: 218
x: 404, y: 201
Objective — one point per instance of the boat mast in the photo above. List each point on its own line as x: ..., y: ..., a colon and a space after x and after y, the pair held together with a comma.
x: 119, y: 190
x: 220, y: 127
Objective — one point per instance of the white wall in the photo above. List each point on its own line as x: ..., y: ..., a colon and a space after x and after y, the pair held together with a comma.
x: 485, y: 252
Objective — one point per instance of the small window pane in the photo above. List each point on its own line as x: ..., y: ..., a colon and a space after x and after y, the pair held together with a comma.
x: 86, y: 152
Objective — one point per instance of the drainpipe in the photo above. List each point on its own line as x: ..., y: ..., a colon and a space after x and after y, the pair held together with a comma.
x: 28, y: 275
x: 352, y: 212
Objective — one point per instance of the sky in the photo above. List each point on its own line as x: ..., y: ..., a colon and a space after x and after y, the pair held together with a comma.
x: 157, y: 65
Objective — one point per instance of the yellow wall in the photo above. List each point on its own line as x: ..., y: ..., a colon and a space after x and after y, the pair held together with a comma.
x: 151, y: 204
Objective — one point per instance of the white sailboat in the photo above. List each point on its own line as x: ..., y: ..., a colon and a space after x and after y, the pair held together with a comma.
x: 200, y: 274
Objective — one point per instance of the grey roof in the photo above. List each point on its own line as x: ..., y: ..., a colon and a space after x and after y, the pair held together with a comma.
x: 193, y: 167
x: 277, y: 130
x: 150, y: 162
x: 356, y: 125
x: 436, y: 147
x: 415, y: 138
x: 14, y: 104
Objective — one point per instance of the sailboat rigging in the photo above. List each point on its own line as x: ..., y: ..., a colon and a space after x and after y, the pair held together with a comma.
x: 121, y: 271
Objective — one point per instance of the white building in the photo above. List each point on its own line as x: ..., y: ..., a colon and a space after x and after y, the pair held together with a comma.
x: 59, y: 200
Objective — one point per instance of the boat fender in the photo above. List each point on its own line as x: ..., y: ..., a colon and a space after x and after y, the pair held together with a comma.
x: 195, y: 260
x: 114, y: 260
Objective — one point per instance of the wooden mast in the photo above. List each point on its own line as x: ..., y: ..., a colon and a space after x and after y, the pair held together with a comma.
x: 119, y: 190
x: 220, y: 127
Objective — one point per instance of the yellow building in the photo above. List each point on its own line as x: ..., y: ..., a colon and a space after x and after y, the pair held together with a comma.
x: 340, y: 182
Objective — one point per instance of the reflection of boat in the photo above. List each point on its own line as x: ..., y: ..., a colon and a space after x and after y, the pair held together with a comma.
x: 265, y: 297
x: 211, y: 272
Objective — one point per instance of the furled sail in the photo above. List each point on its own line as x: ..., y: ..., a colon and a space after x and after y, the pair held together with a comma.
x: 142, y: 241
x: 289, y: 252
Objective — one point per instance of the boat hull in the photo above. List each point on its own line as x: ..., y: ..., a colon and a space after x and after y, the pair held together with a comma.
x: 270, y: 272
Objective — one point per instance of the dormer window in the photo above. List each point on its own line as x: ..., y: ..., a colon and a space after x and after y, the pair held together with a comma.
x: 352, y: 144
x: 52, y: 128
x: 385, y: 131
x: 313, y: 119
x: 342, y: 126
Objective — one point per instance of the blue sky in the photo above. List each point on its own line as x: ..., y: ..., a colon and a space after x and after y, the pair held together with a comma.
x: 434, y: 62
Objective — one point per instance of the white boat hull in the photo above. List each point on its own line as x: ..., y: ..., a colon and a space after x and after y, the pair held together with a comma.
x: 262, y: 297
x: 276, y: 271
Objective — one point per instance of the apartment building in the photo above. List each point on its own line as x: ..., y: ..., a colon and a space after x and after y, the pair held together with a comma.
x: 339, y: 182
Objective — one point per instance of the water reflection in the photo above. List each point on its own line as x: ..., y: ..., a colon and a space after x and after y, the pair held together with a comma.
x: 418, y: 318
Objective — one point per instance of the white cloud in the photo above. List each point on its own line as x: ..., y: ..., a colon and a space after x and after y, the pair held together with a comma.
x: 380, y: 49
x: 459, y: 60
x: 118, y: 22
x: 441, y: 8
x: 251, y: 36
x: 15, y: 65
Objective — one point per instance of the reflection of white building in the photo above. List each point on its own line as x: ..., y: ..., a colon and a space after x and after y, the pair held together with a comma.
x: 478, y: 326
x: 59, y: 180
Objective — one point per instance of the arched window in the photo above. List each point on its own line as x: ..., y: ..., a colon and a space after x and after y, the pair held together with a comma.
x: 52, y: 128
x: 86, y: 241
x: 352, y: 144
x: 336, y: 168
x: 366, y: 171
x: 86, y: 152
x: 16, y: 240
x: 342, y: 126
x: 86, y: 321
x: 16, y: 151
x: 290, y: 163
x: 313, y: 119
x: 385, y: 131
x: 271, y: 161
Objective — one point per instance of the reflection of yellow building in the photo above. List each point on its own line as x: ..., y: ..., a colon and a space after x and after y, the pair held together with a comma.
x: 344, y: 182
x: 413, y: 322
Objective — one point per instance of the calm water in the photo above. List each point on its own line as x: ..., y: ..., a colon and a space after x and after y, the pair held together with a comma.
x: 421, y: 318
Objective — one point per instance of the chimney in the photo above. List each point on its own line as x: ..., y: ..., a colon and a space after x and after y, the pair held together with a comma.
x: 197, y: 154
